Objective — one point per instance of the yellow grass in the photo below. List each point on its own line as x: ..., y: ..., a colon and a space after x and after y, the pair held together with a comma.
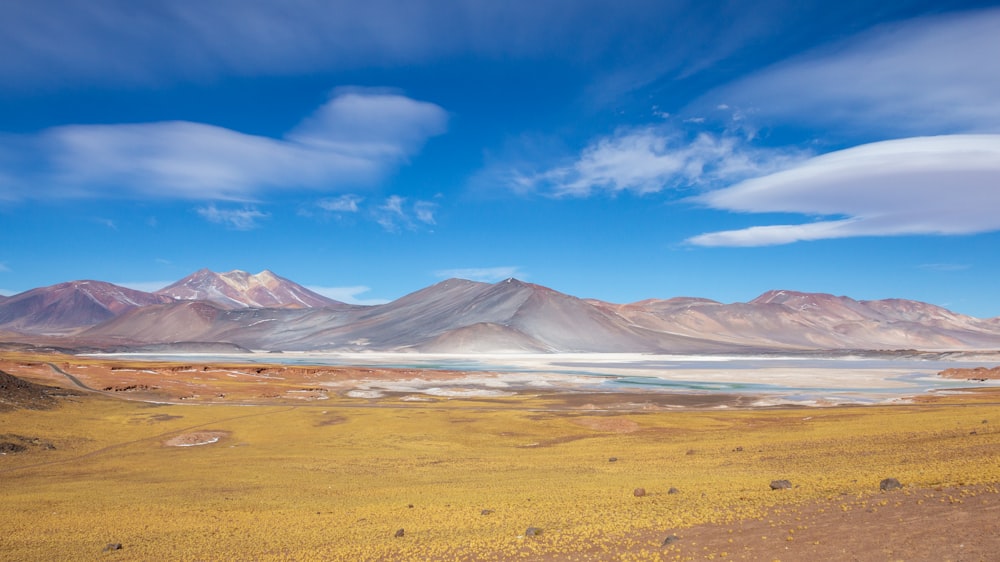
x: 336, y: 480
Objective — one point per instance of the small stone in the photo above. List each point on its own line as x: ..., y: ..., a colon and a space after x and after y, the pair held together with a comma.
x: 673, y: 491
x: 670, y: 540
x: 532, y: 532
x: 613, y: 459
x: 889, y: 484
x: 399, y: 533
x: 486, y: 512
x: 639, y: 492
x: 781, y: 485
x: 113, y: 546
x: 738, y: 450
x: 410, y: 506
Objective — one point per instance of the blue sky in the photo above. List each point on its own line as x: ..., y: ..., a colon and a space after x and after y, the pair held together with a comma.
x: 616, y: 150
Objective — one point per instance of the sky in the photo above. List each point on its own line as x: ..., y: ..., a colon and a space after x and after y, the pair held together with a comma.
x: 618, y: 150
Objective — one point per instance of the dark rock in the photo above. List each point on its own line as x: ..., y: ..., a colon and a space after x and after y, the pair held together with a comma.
x: 889, y: 484
x: 613, y: 459
x: 738, y: 450
x: 670, y: 540
x: 399, y: 533
x: 673, y: 491
x: 486, y: 512
x: 781, y: 485
x: 113, y: 546
x: 639, y: 492
x: 410, y: 506
x: 532, y: 532
x: 8, y: 447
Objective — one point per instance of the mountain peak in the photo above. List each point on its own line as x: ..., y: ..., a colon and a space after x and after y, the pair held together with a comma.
x: 240, y: 289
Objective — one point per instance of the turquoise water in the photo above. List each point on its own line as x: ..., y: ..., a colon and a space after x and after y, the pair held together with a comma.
x: 801, y: 383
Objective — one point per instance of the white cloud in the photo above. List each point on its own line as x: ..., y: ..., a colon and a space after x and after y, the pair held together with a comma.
x: 343, y: 204
x: 932, y: 75
x: 423, y: 211
x: 484, y: 274
x: 354, y: 138
x: 646, y: 160
x: 924, y: 185
x: 237, y: 219
x: 346, y: 294
x: 396, y: 213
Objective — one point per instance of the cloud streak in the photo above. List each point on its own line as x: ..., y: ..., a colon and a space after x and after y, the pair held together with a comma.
x: 932, y: 75
x: 247, y: 218
x: 353, y: 139
x: 943, y: 185
x: 483, y: 274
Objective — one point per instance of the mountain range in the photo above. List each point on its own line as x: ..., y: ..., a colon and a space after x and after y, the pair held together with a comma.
x: 268, y: 312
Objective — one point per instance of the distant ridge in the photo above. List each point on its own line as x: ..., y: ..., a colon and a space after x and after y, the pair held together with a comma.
x: 267, y: 312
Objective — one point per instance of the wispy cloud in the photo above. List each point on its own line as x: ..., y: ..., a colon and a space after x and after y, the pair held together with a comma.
x: 944, y: 266
x: 246, y: 218
x: 924, y: 185
x: 122, y: 41
x: 4, y: 268
x: 353, y: 139
x: 343, y: 204
x: 484, y: 274
x: 350, y: 295
x: 396, y: 213
x: 933, y: 75
x: 650, y: 159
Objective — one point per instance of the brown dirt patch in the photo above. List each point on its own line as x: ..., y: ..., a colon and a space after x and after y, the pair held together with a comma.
x: 196, y: 438
x: 975, y: 374
x: 958, y: 524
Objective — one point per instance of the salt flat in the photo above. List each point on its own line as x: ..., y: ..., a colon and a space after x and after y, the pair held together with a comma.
x: 772, y: 379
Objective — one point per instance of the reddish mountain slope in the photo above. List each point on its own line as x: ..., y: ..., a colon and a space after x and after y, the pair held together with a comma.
x: 69, y: 306
x: 239, y: 289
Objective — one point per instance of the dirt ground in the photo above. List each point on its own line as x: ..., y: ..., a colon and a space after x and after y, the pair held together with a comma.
x: 947, y: 524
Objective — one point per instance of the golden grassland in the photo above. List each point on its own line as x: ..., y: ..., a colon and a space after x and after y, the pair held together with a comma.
x: 335, y: 480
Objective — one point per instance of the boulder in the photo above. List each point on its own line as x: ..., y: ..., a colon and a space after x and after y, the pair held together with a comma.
x: 639, y: 492
x: 781, y: 485
x: 889, y: 484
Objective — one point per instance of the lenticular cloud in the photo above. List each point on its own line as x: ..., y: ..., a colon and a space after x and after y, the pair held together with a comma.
x: 922, y: 185
x: 354, y: 138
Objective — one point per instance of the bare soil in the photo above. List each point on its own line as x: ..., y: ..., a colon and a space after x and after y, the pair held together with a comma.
x: 956, y: 524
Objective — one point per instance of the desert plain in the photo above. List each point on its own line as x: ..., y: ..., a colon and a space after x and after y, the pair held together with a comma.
x: 119, y: 458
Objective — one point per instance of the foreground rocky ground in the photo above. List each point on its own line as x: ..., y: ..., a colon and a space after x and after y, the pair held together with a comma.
x: 310, y: 475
